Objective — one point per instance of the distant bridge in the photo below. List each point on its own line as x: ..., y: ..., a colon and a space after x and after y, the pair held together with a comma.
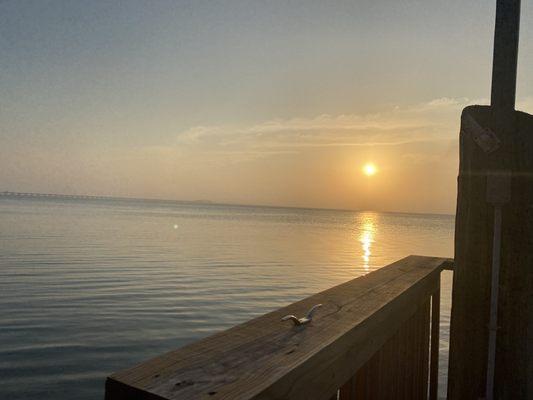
x: 27, y: 195
x: 57, y: 196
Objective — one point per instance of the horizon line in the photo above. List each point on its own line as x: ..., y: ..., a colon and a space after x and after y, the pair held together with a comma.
x: 7, y: 193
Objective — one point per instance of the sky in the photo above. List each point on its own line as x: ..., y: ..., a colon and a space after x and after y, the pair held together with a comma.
x: 249, y: 102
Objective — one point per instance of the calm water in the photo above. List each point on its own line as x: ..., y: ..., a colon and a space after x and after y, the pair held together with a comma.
x: 91, y: 287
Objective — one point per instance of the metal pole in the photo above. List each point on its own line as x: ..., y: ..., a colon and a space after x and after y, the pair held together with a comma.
x: 504, y: 64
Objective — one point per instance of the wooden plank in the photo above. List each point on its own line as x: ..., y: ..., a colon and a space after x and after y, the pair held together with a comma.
x: 435, y: 344
x: 361, y: 378
x: 347, y: 391
x: 267, y: 359
x: 423, y: 349
x: 399, y: 370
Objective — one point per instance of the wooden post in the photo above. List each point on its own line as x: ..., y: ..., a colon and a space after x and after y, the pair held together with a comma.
x: 505, y: 54
x: 473, y: 259
x: 434, y: 356
x: 495, y: 173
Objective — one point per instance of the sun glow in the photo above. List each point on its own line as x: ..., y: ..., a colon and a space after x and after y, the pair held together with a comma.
x: 369, y: 169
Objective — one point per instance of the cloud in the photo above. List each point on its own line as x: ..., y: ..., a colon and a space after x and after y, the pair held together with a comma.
x: 434, y: 121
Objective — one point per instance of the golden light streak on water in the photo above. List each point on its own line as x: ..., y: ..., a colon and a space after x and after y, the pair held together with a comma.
x: 366, y: 239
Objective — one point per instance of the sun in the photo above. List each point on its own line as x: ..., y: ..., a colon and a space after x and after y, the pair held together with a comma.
x: 369, y: 169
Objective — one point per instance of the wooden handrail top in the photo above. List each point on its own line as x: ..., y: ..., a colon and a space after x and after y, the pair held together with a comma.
x: 266, y: 358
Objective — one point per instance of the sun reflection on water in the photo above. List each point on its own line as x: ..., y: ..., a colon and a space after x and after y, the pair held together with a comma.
x: 367, y: 237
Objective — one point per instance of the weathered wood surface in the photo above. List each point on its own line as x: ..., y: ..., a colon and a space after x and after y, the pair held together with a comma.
x: 267, y: 359
x: 473, y: 253
x: 399, y: 370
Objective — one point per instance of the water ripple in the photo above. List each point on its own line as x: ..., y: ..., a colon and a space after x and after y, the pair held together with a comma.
x: 91, y: 287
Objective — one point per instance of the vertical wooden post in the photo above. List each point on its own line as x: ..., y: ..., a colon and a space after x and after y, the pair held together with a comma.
x: 474, y: 233
x: 495, y: 141
x: 434, y: 357
x: 505, y: 54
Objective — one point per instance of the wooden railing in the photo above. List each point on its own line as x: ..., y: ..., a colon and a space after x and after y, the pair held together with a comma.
x: 375, y: 337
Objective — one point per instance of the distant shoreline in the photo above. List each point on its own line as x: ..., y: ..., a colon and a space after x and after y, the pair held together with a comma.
x: 59, y: 196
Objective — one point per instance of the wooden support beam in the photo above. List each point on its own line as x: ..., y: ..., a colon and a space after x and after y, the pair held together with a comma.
x: 505, y: 58
x: 435, y: 344
x: 473, y: 259
x: 495, y: 173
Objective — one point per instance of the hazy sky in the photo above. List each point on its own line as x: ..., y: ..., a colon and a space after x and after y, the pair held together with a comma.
x: 255, y: 102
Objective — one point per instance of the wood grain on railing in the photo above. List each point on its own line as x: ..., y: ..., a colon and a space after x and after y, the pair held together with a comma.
x: 399, y: 370
x: 366, y: 329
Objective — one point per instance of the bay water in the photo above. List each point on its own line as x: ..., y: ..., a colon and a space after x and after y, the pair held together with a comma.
x: 89, y: 287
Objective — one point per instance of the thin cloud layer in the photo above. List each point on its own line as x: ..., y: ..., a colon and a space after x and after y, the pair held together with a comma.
x: 435, y: 120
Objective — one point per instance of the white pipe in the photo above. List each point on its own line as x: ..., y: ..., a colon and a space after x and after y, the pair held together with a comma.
x: 495, y: 285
